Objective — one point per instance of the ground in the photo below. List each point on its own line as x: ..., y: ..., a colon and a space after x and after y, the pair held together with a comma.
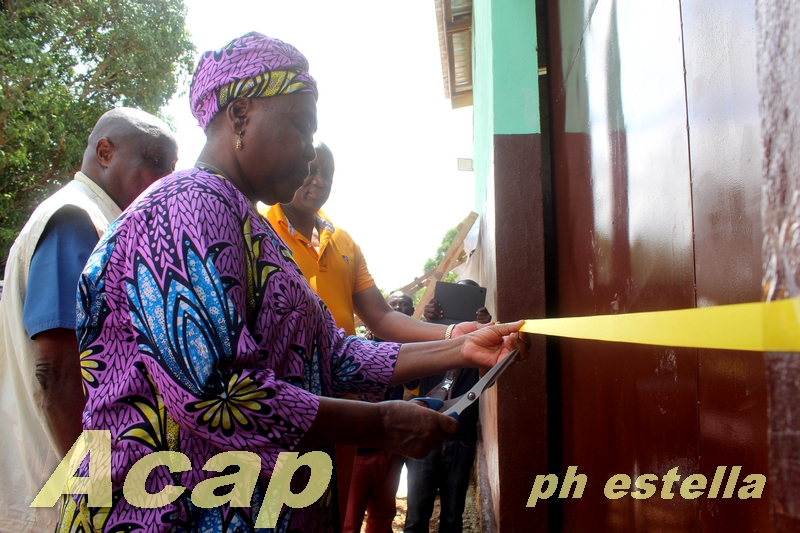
x: 472, y: 522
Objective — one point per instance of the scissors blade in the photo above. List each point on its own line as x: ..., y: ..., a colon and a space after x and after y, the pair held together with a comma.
x: 484, y: 383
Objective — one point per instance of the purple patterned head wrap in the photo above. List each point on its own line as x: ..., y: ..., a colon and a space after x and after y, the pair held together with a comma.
x: 252, y: 66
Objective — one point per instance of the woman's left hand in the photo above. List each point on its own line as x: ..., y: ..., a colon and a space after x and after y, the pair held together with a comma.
x: 486, y: 346
x: 465, y: 328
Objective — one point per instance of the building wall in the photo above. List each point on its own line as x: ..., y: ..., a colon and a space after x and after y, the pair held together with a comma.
x: 657, y: 189
x: 656, y: 183
x: 507, y: 154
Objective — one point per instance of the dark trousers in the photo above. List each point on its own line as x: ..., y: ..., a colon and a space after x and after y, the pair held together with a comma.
x: 446, y: 470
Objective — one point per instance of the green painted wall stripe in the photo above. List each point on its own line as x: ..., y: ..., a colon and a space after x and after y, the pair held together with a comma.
x: 482, y: 97
x: 505, y: 81
x: 515, y: 67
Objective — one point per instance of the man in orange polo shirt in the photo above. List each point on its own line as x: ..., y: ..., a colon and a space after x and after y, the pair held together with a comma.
x: 337, y: 271
x: 333, y: 264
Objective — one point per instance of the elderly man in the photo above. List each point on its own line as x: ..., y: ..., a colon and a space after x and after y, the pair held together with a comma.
x: 41, y: 396
x: 335, y: 268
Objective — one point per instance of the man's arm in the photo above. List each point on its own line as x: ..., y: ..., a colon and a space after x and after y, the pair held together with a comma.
x: 58, y: 372
x: 48, y: 316
x: 389, y: 324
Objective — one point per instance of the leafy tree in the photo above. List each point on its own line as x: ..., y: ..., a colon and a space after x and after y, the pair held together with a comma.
x: 417, y: 295
x: 63, y: 63
x: 434, y: 261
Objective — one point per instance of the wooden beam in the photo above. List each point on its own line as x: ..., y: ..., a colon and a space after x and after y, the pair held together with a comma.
x: 417, y: 284
x: 453, y: 257
x: 448, y: 262
x: 421, y: 281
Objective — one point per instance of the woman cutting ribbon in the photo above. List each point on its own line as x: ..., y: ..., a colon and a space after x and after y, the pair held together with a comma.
x: 198, y: 333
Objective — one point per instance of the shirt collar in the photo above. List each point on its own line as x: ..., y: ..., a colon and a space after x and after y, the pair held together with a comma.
x: 101, y: 194
x: 322, y: 222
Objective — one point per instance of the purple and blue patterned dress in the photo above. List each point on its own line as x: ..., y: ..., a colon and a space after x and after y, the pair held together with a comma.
x: 199, y: 334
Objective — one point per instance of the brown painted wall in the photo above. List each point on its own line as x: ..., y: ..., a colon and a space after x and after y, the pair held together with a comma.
x: 656, y: 206
x: 514, y: 412
x: 521, y: 397
x: 722, y: 107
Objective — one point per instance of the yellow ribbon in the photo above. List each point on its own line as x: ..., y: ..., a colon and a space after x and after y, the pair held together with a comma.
x: 759, y: 327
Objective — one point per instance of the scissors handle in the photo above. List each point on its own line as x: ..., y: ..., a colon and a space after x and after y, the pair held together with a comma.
x: 431, y: 403
x: 434, y: 403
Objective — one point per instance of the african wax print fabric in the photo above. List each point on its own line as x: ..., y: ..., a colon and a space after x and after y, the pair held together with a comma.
x: 198, y: 334
x: 337, y: 271
x: 252, y: 66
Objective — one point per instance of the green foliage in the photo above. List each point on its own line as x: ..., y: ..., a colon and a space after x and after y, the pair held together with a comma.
x: 434, y: 261
x: 63, y: 63
x: 417, y: 295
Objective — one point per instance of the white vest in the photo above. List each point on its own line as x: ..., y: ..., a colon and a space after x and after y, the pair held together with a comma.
x: 28, y: 451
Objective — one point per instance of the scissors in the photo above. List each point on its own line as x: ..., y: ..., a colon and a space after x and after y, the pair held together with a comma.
x: 455, y: 406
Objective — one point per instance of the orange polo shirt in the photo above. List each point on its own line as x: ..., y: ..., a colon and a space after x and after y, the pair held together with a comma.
x: 339, y: 270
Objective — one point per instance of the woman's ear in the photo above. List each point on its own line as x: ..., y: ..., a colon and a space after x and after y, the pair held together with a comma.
x: 237, y: 114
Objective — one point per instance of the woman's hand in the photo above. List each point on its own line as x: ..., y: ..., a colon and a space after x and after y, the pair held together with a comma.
x: 484, y: 347
x: 483, y: 318
x: 481, y: 348
x: 465, y: 328
x: 413, y: 430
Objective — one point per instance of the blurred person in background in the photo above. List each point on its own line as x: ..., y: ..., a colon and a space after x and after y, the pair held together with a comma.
x: 376, y: 472
x: 447, y: 469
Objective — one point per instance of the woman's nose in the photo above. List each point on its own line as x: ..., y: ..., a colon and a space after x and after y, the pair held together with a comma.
x: 310, y: 154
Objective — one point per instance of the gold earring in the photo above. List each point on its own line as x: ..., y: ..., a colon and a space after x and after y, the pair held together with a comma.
x: 239, y: 144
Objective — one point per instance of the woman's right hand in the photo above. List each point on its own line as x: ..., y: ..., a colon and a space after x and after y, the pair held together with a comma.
x: 413, y: 430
